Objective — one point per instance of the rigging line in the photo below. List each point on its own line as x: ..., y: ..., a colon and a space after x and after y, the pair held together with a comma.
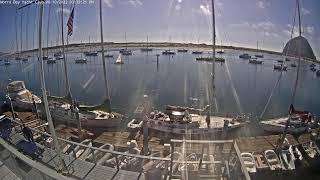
x: 48, y: 28
x: 270, y: 97
x: 16, y: 28
x: 27, y: 27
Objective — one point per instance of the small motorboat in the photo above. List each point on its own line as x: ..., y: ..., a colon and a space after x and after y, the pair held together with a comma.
x: 244, y: 56
x: 108, y: 55
x: 81, y: 61
x: 90, y: 53
x: 168, y: 52
x: 273, y: 160
x: 220, y: 51
x: 18, y: 58
x: 7, y: 62
x: 197, y: 52
x: 182, y: 50
x: 249, y: 162
x: 100, y: 156
x: 280, y: 61
x: 313, y: 69
x: 51, y: 60
x: 293, y: 65
x: 134, y: 124
x: 25, y: 60
x: 126, y: 52
x: 259, y: 55
x: 311, y: 149
x: 44, y: 57
x: 255, y: 61
x: 312, y: 65
x: 280, y: 67
x: 287, y: 59
x: 260, y: 161
x: 217, y: 59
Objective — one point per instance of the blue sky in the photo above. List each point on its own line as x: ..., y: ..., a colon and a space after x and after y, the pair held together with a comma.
x: 238, y: 22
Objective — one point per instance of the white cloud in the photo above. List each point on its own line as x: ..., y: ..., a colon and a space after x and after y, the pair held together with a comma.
x: 305, y: 11
x: 261, y: 4
x: 265, y: 25
x: 108, y: 3
x: 135, y: 3
x: 219, y: 3
x: 205, y: 10
x: 65, y: 11
x: 309, y: 29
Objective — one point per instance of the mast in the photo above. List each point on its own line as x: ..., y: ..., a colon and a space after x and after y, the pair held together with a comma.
x: 296, y: 82
x: 103, y: 60
x: 64, y: 57
x: 213, y: 42
x: 21, y: 32
x: 16, y: 27
x: 44, y: 94
x: 147, y: 42
x: 213, y: 58
x: 125, y: 38
x: 299, y: 53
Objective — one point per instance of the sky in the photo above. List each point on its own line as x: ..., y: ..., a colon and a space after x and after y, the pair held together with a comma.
x: 238, y: 22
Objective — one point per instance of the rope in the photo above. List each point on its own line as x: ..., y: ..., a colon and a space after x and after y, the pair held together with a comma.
x: 272, y: 92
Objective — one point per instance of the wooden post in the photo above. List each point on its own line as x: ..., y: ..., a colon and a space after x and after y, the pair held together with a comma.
x: 171, y: 160
x: 92, y: 152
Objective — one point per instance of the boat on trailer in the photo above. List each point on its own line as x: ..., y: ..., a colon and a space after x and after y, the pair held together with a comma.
x: 182, y: 120
x: 299, y: 122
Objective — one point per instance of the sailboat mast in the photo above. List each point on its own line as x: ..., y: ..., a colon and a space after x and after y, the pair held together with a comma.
x: 213, y: 41
x: 103, y: 60
x: 16, y: 26
x: 21, y: 32
x: 295, y: 84
x: 44, y: 94
x: 64, y: 57
x: 299, y: 54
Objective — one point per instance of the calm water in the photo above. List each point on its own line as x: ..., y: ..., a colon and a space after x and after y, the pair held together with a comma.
x: 240, y: 86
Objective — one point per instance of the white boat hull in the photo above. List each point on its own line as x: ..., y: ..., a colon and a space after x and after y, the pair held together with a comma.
x: 275, y: 126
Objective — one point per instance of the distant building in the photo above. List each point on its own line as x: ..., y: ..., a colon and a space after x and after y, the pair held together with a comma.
x: 292, y: 48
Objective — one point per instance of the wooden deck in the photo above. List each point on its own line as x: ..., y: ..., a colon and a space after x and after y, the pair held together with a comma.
x: 261, y: 143
x: 77, y: 168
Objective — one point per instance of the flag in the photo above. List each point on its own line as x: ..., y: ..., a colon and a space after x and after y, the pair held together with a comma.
x: 70, y: 23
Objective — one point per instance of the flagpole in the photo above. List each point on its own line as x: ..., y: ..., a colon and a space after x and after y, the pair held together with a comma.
x: 103, y: 61
x: 68, y: 89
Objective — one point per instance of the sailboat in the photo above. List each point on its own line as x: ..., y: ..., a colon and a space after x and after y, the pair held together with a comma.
x: 258, y: 55
x: 90, y: 53
x: 126, y: 51
x: 221, y: 51
x: 296, y: 121
x: 168, y: 51
x: 197, y: 51
x: 146, y: 49
x: 97, y: 116
x: 119, y: 60
x: 181, y: 120
x: 81, y: 60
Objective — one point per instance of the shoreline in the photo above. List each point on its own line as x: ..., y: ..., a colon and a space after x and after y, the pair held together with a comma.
x: 153, y: 45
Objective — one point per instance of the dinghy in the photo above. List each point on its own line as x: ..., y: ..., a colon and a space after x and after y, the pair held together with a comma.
x: 249, y: 162
x: 272, y: 159
x: 100, y: 156
x: 260, y: 161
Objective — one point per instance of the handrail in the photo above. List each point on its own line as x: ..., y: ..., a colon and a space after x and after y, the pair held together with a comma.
x: 37, y: 165
x: 96, y: 148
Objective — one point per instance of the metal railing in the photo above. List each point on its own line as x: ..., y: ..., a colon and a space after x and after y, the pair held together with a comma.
x: 168, y: 162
